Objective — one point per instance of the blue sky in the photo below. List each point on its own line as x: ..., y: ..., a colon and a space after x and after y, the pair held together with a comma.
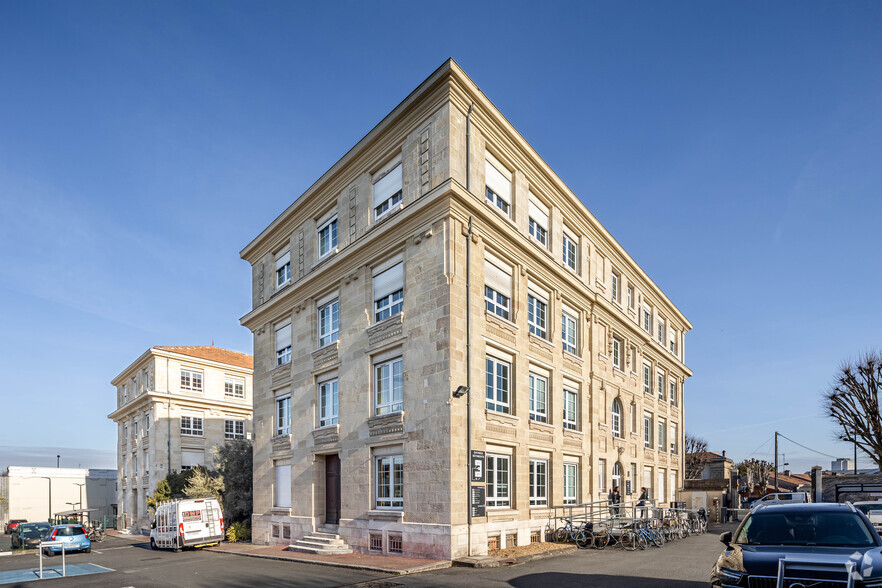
x: 732, y: 148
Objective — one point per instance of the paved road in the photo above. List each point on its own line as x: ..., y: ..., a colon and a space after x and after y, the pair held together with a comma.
x: 683, y: 564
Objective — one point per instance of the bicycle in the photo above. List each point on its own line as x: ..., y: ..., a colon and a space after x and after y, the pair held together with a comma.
x: 601, y: 535
x: 96, y: 533
x: 578, y: 534
x: 647, y: 536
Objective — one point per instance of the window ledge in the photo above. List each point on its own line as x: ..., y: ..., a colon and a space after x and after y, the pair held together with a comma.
x: 603, y: 426
x: 572, y: 357
x: 385, y: 424
x: 282, y: 510
x: 386, y: 515
x: 386, y: 329
x: 505, y: 323
x: 379, y: 220
x: 574, y: 433
x: 323, y: 258
x: 540, y: 426
x: 326, y: 434
x: 537, y: 339
x: 501, y: 417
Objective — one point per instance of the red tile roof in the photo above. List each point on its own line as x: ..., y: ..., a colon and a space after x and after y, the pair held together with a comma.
x: 213, y: 353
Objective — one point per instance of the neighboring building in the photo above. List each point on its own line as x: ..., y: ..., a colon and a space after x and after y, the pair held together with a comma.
x: 174, y: 404
x: 36, y: 494
x: 717, y: 486
x: 845, y: 466
x: 361, y: 318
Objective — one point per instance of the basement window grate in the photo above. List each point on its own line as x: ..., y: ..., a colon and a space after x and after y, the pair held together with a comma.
x: 493, y: 542
x: 395, y: 544
x: 511, y: 540
x: 376, y: 542
x: 286, y: 531
x: 275, y: 530
x: 535, y: 536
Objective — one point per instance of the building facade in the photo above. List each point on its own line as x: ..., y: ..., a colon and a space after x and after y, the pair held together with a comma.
x: 442, y: 253
x: 174, y: 405
x: 38, y: 494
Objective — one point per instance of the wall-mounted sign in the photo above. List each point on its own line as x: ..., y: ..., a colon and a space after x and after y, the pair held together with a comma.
x: 477, y: 466
x: 478, y: 495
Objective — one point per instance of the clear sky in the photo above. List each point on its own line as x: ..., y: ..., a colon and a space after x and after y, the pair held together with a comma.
x: 733, y: 148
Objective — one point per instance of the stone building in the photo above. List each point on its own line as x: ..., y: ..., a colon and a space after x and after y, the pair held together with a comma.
x: 174, y: 404
x: 364, y: 330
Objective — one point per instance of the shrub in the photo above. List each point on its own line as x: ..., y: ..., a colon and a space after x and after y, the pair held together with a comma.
x: 239, y: 532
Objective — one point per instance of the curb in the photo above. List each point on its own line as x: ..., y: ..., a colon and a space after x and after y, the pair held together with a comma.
x: 395, y: 572
x: 507, y: 561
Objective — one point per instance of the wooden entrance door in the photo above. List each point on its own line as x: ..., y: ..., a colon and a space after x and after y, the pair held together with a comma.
x: 332, y: 489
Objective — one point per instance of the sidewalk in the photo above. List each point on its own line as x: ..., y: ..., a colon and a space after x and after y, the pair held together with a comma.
x: 359, y: 561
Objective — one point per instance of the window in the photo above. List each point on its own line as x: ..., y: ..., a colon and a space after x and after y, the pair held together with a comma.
x: 617, y: 476
x: 661, y: 485
x: 537, y: 313
x: 234, y: 429
x: 283, y: 344
x: 614, y: 287
x: 672, y: 487
x: 568, y: 330
x: 191, y: 380
x: 601, y: 475
x: 672, y: 387
x: 327, y: 237
x: 538, y: 396
x: 538, y: 482
x: 647, y: 430
x: 647, y: 480
x: 146, y: 424
x: 234, y: 387
x: 191, y: 425
x: 570, y: 409
x: 389, y: 292
x: 538, y: 222
x: 616, y: 418
x: 135, y: 465
x: 389, y: 386
x: 647, y: 319
x: 498, y: 385
x: 618, y: 355
x: 570, y: 483
x: 673, y: 438
x: 135, y: 428
x: 632, y: 477
x: 329, y: 323
x: 498, y: 185
x: 630, y: 296
x: 497, y: 286
x: 125, y: 432
x: 387, y: 193
x: 633, y: 417
x: 390, y: 482
x: 283, y: 415
x: 125, y: 392
x: 647, y: 379
x: 570, y: 250
x: 282, y: 489
x: 673, y: 340
x: 660, y: 384
x: 146, y: 464
x: 498, y: 481
x: 328, y: 403
x: 632, y: 359
x: 662, y: 428
x: 661, y: 331
x: 283, y: 269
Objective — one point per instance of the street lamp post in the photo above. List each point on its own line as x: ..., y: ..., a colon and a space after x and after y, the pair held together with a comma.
x: 81, y: 492
x: 50, y: 496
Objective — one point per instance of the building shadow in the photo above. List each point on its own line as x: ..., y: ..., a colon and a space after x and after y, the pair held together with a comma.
x: 567, y: 580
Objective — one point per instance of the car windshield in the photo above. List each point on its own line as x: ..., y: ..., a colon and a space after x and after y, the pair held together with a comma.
x: 34, y: 528
x: 825, y: 528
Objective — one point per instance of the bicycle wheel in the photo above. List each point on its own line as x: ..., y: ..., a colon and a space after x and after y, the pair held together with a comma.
x: 656, y: 538
x: 560, y: 535
x: 585, y: 539
x: 628, y: 541
x: 681, y: 530
x: 601, y: 540
x: 642, y: 539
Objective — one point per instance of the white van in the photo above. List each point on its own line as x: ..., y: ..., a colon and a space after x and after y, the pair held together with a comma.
x: 780, y: 498
x: 188, y: 522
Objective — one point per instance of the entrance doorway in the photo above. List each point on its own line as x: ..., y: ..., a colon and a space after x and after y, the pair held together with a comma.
x: 332, y: 489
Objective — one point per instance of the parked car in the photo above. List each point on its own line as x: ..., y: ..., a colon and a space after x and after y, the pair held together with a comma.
x: 779, y: 498
x: 29, y: 535
x: 187, y: 523
x: 75, y: 538
x: 814, y: 542
x: 873, y: 510
x: 13, y: 523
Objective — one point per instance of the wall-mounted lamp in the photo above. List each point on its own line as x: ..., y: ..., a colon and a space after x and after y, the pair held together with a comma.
x: 461, y: 391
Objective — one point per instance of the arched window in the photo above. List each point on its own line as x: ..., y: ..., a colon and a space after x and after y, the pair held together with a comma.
x: 617, y: 418
x: 617, y: 476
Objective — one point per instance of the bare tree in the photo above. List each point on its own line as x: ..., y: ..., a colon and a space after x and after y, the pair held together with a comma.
x: 853, y: 404
x: 757, y: 472
x: 697, y: 456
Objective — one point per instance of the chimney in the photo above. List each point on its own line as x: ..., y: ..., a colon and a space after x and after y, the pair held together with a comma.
x: 786, y: 472
x: 724, y: 454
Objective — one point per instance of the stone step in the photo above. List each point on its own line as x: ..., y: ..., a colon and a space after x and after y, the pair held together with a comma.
x: 324, y: 535
x: 324, y: 540
x: 305, y: 547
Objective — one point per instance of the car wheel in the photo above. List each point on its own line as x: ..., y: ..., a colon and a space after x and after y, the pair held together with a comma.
x: 153, y: 544
x: 88, y: 549
x: 50, y: 553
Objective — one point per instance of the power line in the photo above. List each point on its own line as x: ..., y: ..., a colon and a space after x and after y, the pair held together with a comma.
x: 809, y: 448
x: 752, y: 453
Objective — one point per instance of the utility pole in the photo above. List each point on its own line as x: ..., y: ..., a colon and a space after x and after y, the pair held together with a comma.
x: 776, y: 461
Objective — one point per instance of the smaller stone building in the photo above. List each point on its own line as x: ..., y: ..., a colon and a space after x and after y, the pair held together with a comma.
x: 174, y: 405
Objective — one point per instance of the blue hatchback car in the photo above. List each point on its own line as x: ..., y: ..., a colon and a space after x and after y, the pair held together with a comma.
x: 74, y: 537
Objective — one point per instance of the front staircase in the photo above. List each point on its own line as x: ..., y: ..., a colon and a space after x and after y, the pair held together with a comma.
x: 325, y: 540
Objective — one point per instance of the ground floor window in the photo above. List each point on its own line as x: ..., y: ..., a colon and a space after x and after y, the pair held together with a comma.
x: 538, y: 482
x: 282, y: 487
x: 390, y: 482
x: 570, y: 483
x: 498, y: 480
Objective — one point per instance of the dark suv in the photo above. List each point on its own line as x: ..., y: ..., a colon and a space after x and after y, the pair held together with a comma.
x: 809, y: 544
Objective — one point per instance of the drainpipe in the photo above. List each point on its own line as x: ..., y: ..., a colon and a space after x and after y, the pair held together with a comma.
x: 469, y: 380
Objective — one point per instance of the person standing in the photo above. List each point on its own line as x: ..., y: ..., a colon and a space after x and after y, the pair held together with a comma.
x: 614, y: 499
x: 644, y: 496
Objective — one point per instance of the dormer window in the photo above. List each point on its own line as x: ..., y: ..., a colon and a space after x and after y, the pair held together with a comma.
x: 387, y: 193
